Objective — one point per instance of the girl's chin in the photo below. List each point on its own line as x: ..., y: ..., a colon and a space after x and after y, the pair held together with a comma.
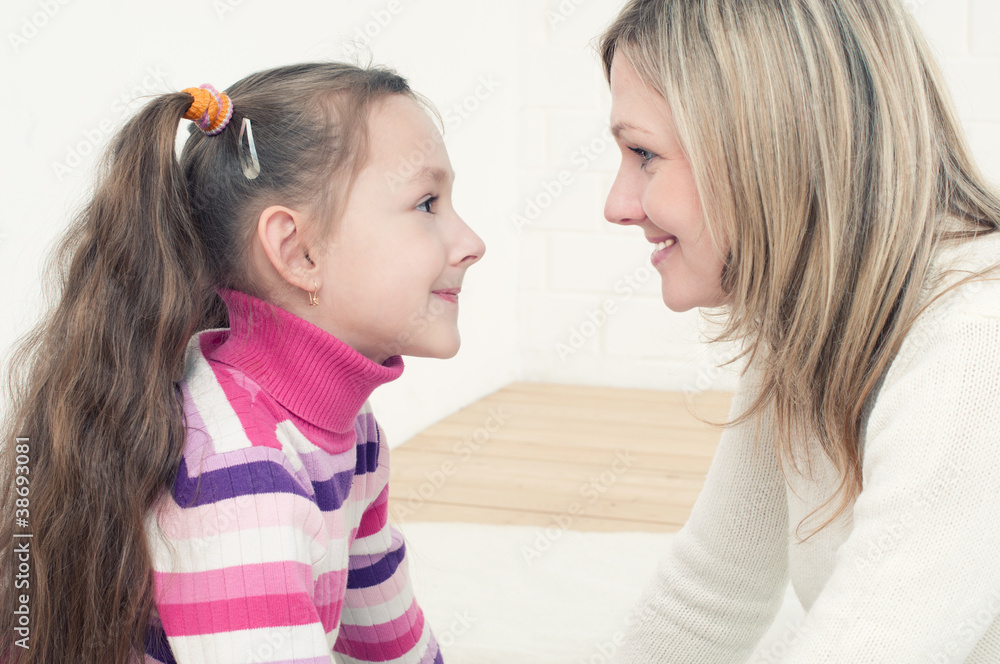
x: 439, y: 349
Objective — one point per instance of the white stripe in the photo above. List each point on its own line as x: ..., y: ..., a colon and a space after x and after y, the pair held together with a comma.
x: 293, y: 443
x: 254, y: 646
x: 379, y: 614
x: 221, y: 422
x: 375, y: 543
x: 233, y: 549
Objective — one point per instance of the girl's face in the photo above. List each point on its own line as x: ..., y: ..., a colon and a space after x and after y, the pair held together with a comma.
x: 393, y: 268
x: 655, y: 191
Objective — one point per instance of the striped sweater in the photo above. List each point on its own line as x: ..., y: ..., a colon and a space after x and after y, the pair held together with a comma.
x: 273, y: 543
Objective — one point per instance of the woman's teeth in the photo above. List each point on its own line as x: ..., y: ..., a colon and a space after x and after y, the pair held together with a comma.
x: 666, y: 243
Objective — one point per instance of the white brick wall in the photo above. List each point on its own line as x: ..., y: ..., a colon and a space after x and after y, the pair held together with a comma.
x: 571, y: 258
x: 984, y: 19
x: 547, y: 120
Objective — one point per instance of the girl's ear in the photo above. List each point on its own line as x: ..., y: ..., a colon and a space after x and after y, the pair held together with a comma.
x: 281, y: 236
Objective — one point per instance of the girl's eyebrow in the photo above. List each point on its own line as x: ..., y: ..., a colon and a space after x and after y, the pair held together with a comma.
x: 432, y: 174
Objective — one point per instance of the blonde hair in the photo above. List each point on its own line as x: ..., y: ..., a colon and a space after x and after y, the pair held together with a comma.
x: 825, y: 148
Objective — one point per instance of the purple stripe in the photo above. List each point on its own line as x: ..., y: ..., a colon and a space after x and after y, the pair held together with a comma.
x: 331, y: 493
x: 365, y: 426
x: 156, y: 644
x: 320, y: 465
x: 236, y: 480
x: 256, y: 477
x: 433, y: 654
x: 197, y: 441
x: 378, y: 572
x: 367, y: 458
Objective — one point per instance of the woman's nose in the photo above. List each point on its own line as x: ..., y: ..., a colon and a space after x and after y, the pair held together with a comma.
x: 624, y: 205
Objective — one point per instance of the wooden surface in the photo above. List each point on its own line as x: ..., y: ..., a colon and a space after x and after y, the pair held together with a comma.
x: 584, y: 458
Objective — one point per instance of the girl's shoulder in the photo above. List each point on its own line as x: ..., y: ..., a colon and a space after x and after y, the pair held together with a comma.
x: 229, y: 415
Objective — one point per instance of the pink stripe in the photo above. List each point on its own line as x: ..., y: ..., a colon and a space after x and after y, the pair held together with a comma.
x: 383, y: 593
x: 330, y: 589
x: 375, y: 516
x: 220, y: 616
x: 275, y: 578
x: 256, y: 418
x: 248, y: 513
x: 394, y: 628
x: 329, y: 615
x: 322, y: 659
x: 335, y: 443
x: 383, y: 642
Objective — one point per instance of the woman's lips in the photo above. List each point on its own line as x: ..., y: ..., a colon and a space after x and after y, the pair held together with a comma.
x: 664, y: 245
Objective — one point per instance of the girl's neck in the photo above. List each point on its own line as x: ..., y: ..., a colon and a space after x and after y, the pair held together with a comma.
x: 310, y: 372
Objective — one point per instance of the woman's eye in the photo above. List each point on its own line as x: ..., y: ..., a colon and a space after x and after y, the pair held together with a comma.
x: 645, y: 154
x: 426, y: 205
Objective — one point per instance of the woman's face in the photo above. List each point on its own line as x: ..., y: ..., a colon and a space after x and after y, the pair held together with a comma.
x: 655, y: 191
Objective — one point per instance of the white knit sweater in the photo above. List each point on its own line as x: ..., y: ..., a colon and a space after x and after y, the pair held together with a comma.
x: 911, y: 573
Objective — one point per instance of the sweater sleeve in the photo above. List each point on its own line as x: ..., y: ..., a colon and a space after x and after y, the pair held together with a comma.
x: 381, y: 620
x: 918, y: 579
x: 722, y: 581
x: 233, y: 550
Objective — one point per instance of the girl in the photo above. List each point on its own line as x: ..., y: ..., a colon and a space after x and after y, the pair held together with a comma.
x: 224, y: 499
x: 797, y: 164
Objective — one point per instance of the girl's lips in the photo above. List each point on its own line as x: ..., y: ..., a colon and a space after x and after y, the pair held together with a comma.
x: 448, y: 294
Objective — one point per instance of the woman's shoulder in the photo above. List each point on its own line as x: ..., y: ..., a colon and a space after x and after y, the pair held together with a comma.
x: 957, y: 331
x: 964, y: 277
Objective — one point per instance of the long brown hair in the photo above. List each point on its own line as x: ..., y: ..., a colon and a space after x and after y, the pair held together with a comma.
x: 94, y: 385
x: 825, y: 148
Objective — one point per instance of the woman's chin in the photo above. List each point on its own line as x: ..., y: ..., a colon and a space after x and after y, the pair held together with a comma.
x: 681, y: 300
x: 677, y: 302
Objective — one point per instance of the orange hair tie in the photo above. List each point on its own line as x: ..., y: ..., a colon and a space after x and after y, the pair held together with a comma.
x: 210, y: 110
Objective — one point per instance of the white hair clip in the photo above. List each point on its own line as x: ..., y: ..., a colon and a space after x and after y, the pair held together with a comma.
x: 249, y: 162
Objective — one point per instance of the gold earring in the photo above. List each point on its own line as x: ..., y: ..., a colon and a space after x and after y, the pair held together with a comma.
x: 313, y: 301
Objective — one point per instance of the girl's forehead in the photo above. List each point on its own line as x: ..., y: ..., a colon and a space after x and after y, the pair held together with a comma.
x: 406, y: 151
x: 401, y: 130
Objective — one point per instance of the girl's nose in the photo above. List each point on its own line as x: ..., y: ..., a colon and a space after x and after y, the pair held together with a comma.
x: 471, y: 247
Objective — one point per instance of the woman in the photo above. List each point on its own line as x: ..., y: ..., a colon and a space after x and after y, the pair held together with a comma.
x: 797, y: 164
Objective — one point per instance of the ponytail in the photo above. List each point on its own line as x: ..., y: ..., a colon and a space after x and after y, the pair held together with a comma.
x: 94, y: 394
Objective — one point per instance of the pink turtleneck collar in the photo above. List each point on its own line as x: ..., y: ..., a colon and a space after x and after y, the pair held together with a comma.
x: 310, y: 372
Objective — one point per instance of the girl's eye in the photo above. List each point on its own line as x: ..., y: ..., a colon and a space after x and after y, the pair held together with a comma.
x: 426, y: 205
x: 645, y: 154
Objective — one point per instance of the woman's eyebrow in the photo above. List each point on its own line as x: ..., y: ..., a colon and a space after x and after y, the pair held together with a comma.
x: 619, y: 127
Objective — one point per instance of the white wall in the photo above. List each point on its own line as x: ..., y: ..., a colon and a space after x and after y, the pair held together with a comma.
x: 524, y: 102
